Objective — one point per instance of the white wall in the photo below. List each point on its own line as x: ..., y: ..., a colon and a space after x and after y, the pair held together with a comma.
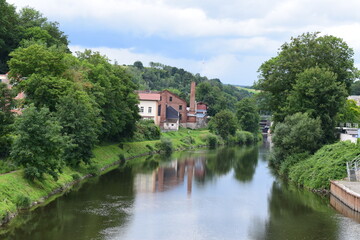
x: 346, y: 137
x: 154, y: 110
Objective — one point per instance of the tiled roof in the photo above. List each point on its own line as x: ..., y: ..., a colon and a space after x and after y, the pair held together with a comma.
x: 149, y: 96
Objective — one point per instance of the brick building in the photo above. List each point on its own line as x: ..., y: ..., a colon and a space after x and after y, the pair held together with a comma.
x: 169, y: 111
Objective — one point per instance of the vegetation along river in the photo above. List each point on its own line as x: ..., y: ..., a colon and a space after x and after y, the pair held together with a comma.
x: 227, y: 193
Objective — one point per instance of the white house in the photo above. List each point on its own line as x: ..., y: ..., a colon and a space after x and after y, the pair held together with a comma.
x: 148, y: 106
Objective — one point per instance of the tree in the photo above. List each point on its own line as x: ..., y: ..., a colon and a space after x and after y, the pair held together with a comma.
x: 38, y: 145
x: 36, y: 58
x: 81, y: 124
x: 139, y: 65
x: 349, y: 113
x: 355, y: 88
x: 278, y: 75
x: 299, y: 133
x: 317, y: 92
x: 247, y: 115
x: 9, y: 33
x: 223, y: 124
x: 6, y: 119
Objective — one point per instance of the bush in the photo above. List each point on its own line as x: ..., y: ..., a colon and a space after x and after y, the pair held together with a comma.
x: 93, y: 170
x: 22, y: 201
x: 165, y: 145
x: 146, y: 130
x: 212, y: 140
x: 7, y: 166
x: 188, y: 140
x: 244, y: 137
x: 150, y: 147
x: 75, y: 176
x: 291, y: 161
x: 328, y: 163
x: 299, y: 133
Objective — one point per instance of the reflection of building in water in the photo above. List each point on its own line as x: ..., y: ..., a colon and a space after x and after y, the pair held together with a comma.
x: 169, y: 176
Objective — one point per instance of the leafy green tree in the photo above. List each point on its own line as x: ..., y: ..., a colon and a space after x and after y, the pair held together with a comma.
x: 247, y: 115
x: 299, y: 133
x: 45, y: 91
x: 81, y: 124
x: 38, y: 145
x: 355, y: 88
x: 37, y: 58
x: 317, y: 92
x: 349, y: 113
x: 223, y: 124
x: 278, y: 75
x: 6, y: 119
x: 9, y: 33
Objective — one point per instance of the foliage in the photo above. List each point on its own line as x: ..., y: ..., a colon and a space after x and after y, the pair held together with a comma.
x: 9, y: 32
x: 317, y: 92
x: 299, y: 133
x: 38, y: 145
x: 146, y: 130
x: 188, y: 140
x: 165, y: 145
x: 36, y: 58
x: 329, y: 163
x: 355, y: 88
x: 80, y: 123
x: 160, y: 77
x: 244, y: 137
x: 223, y: 124
x: 6, y: 119
x: 279, y: 74
x: 349, y: 113
x: 212, y: 140
x: 247, y: 115
x: 22, y: 201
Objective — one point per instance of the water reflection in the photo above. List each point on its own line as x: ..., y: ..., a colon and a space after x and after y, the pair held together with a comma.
x: 226, y: 193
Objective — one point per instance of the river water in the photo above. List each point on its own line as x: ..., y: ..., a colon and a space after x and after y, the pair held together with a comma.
x: 228, y: 193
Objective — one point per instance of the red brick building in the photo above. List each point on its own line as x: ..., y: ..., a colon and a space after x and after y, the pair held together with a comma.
x: 172, y: 111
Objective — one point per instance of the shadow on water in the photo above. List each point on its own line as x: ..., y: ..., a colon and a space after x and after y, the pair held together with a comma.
x: 297, y: 214
x: 79, y: 214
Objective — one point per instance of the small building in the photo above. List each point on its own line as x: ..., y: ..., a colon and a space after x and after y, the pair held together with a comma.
x: 149, y: 105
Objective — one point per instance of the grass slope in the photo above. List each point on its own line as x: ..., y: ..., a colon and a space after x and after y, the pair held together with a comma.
x: 328, y: 163
x: 13, y: 186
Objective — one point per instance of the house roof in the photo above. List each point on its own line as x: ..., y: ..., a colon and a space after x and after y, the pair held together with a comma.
x: 171, y: 113
x: 149, y: 96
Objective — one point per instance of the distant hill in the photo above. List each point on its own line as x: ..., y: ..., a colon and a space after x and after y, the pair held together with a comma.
x: 247, y: 88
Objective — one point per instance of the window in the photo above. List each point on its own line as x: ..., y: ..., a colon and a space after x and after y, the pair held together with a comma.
x: 180, y: 116
x: 170, y: 99
x: 172, y: 125
x: 141, y: 109
x: 149, y: 109
x: 160, y: 98
x: 180, y: 107
x: 159, y: 110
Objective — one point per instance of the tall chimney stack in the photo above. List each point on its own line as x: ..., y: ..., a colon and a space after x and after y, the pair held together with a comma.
x: 192, y: 97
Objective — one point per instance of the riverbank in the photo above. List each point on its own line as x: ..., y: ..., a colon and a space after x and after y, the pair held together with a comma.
x: 17, y: 193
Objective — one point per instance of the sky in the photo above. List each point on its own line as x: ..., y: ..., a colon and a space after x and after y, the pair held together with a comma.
x: 225, y: 39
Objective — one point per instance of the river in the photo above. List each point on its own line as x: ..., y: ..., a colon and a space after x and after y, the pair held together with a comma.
x: 227, y: 193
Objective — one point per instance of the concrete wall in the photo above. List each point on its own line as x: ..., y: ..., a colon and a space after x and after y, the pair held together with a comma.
x: 154, y: 110
x: 345, y: 195
x: 346, y: 137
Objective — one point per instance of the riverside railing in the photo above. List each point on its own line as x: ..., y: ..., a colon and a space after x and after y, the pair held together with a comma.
x: 353, y: 169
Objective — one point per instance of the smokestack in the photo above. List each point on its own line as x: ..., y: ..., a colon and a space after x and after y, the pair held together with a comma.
x: 192, y: 97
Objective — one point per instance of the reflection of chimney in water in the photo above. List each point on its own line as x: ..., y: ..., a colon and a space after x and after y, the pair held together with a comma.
x: 190, y: 173
x: 161, y: 179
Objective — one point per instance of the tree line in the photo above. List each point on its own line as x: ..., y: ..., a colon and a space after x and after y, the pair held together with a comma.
x: 306, y: 87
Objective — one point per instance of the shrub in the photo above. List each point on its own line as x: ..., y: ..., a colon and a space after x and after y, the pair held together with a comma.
x: 212, y: 140
x: 22, y: 201
x: 165, y: 145
x: 150, y: 147
x: 188, y: 140
x: 75, y: 176
x: 93, y: 170
x: 146, y: 130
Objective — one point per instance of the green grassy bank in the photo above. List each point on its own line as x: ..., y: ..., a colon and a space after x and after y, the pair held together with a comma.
x: 16, y: 192
x: 328, y: 163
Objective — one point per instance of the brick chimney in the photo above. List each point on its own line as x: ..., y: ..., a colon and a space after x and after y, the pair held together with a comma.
x: 192, y: 98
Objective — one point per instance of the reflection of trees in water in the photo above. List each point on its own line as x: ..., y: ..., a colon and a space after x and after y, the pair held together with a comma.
x: 297, y: 214
x: 82, y: 214
x: 245, y: 164
x: 221, y: 162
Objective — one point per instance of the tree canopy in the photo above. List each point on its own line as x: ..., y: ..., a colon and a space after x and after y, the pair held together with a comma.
x: 278, y: 75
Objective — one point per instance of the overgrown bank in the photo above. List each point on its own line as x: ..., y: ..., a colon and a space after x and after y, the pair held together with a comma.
x: 17, y: 193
